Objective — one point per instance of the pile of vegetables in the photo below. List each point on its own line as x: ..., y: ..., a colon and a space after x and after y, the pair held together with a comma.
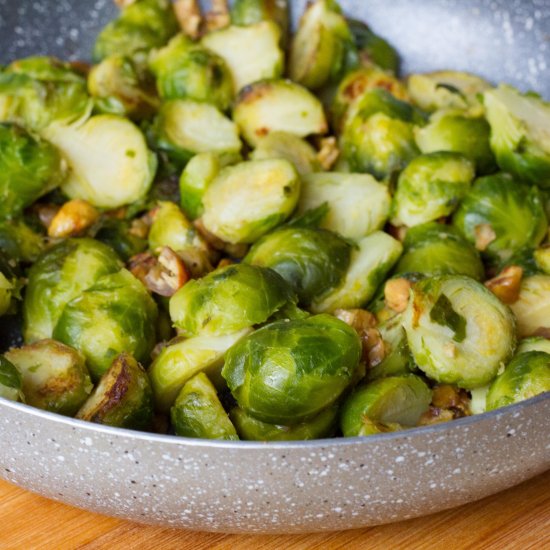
x: 222, y: 230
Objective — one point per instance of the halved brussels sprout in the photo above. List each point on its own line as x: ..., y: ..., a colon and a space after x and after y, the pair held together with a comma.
x: 431, y: 187
x: 312, y: 261
x: 141, y: 26
x: 370, y: 263
x: 184, y: 127
x: 278, y: 105
x: 542, y: 259
x: 246, y: 201
x: 458, y: 331
x: 251, y: 429
x: 248, y: 12
x: 535, y: 343
x: 436, y: 249
x: 228, y: 300
x: 116, y: 234
x: 252, y: 53
x: 110, y: 165
x: 54, y: 376
x: 59, y: 276
x: 182, y: 359
x: 123, y: 397
x: 10, y: 381
x: 527, y: 375
x: 10, y: 285
x: 272, y: 374
x: 501, y: 216
x: 187, y: 70
x: 30, y: 168
x: 20, y: 242
x: 358, y: 204
x: 387, y: 404
x: 198, y: 412
x: 456, y: 131
x: 532, y: 309
x: 520, y: 135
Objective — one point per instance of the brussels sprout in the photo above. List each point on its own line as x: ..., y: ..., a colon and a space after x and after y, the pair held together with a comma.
x: 246, y: 201
x: 532, y: 309
x: 358, y: 204
x: 119, y: 86
x: 20, y: 242
x: 229, y: 299
x: 386, y: 404
x: 9, y: 284
x: 312, y: 261
x: 542, y: 259
x: 436, y: 249
x: 116, y: 234
x: 248, y: 12
x: 109, y: 162
x: 501, y: 216
x: 198, y: 412
x: 141, y: 26
x: 282, y: 145
x: 370, y: 262
x: 59, y: 276
x: 278, y: 105
x: 252, y: 53
x: 431, y: 187
x: 123, y: 397
x: 458, y: 132
x: 447, y: 90
x: 184, y: 127
x: 10, y: 381
x: 272, y: 375
x: 458, y: 331
x: 320, y: 426
x: 535, y: 343
x: 378, y: 137
x: 190, y: 71
x: 527, y: 375
x: 116, y: 314
x: 54, y: 376
x: 519, y: 133
x: 478, y: 401
x: 30, y: 168
x: 319, y: 49
x: 181, y: 360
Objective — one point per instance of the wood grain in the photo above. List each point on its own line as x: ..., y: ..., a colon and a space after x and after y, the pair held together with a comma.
x: 517, y: 519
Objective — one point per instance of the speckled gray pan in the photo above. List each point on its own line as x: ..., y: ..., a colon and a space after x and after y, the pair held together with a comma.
x: 291, y: 487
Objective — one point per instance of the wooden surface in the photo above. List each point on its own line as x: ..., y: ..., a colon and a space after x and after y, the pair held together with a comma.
x: 518, y: 519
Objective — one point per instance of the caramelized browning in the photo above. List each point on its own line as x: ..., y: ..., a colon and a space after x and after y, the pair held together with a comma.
x: 506, y: 285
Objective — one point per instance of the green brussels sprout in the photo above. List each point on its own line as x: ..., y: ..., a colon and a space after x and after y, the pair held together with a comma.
x: 458, y: 331
x: 447, y: 90
x: 436, y: 249
x: 228, y: 300
x: 110, y: 164
x: 19, y: 241
x: 9, y: 284
x: 198, y: 412
x: 278, y: 105
x: 59, y: 276
x: 272, y: 374
x: 114, y: 315
x: 387, y: 404
x: 370, y: 263
x: 519, y: 133
x: 141, y: 26
x: 458, y: 132
x: 178, y: 362
x: 251, y: 429
x: 184, y: 128
x: 431, y: 187
x: 532, y: 309
x: 535, y: 343
x: 358, y: 204
x: 282, y: 145
x: 542, y: 259
x: 116, y: 234
x: 185, y: 70
x: 252, y: 53
x: 378, y: 136
x: 501, y: 216
x: 54, y: 376
x: 311, y: 261
x: 10, y: 381
x: 122, y: 398
x: 248, y: 200
x: 527, y: 375
x: 248, y: 12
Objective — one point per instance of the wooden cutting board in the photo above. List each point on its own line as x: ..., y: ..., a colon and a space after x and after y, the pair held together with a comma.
x: 517, y: 519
